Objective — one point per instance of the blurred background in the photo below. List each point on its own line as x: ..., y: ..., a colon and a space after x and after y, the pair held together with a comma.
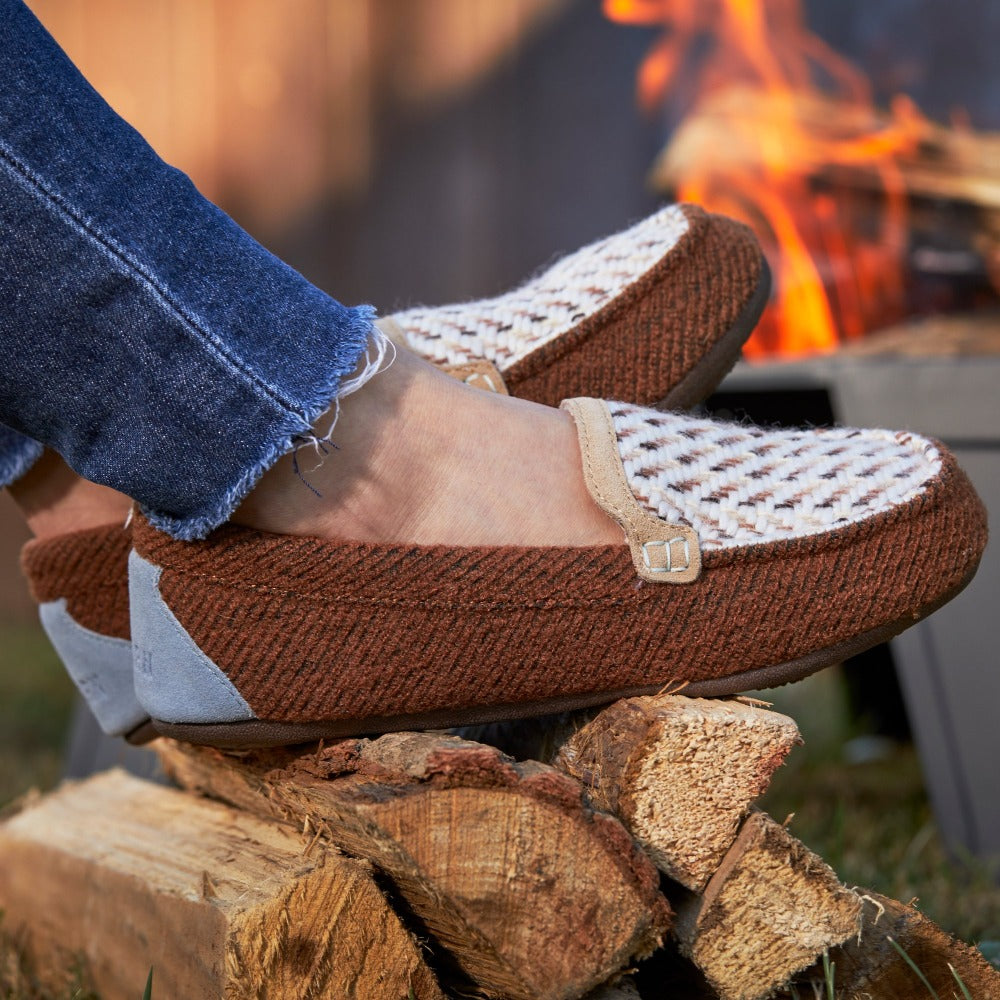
x: 404, y: 151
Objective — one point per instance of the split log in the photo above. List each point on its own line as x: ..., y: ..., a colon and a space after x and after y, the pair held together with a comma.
x: 769, y: 911
x: 530, y: 892
x: 128, y: 875
x: 966, y: 335
x: 680, y: 773
x: 870, y: 965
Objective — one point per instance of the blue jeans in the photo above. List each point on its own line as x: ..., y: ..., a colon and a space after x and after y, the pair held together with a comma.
x: 144, y: 336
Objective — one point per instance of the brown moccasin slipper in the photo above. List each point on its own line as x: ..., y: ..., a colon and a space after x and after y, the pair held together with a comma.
x: 80, y: 581
x: 753, y: 558
x: 656, y: 314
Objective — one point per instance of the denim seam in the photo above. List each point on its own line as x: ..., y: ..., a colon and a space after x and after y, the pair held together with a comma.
x: 111, y: 248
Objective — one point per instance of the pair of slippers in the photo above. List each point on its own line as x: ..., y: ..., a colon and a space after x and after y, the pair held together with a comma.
x: 751, y: 557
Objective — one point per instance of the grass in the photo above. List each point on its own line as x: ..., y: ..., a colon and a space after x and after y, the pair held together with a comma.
x: 36, y: 699
x: 872, y: 822
x: 19, y: 978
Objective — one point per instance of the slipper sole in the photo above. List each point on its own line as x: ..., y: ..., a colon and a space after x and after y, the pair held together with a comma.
x: 705, y: 377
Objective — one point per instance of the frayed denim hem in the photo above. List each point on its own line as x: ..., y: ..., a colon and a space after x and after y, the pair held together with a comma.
x: 17, y: 455
x: 359, y: 339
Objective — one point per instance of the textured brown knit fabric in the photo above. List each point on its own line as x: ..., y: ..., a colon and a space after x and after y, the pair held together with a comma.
x: 90, y: 569
x: 652, y: 335
x: 310, y: 630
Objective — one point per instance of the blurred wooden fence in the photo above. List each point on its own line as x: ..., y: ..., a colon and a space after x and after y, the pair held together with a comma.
x: 269, y: 104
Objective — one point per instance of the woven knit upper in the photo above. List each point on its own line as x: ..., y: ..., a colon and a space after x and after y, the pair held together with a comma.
x: 742, y: 485
x: 505, y: 329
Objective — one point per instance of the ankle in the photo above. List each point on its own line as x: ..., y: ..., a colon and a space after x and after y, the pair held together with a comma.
x: 420, y: 458
x: 55, y: 500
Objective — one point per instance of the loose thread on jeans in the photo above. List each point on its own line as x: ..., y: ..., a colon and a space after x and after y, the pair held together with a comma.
x: 295, y: 463
x: 384, y: 356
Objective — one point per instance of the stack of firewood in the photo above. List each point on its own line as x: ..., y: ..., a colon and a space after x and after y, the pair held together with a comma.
x: 426, y: 865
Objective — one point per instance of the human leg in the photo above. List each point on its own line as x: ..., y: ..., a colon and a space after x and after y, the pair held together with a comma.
x: 193, y: 358
x: 665, y: 303
x: 147, y: 338
x: 229, y: 358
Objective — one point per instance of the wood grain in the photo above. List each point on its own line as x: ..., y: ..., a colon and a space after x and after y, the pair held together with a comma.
x: 767, y: 914
x: 681, y: 773
x: 531, y: 893
x: 127, y: 875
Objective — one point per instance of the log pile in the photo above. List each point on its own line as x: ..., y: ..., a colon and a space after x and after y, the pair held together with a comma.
x: 427, y: 866
x: 127, y: 875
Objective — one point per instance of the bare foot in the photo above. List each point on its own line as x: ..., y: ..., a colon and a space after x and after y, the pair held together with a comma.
x: 55, y: 500
x: 421, y: 458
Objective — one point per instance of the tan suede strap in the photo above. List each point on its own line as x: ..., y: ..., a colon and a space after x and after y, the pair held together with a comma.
x: 480, y: 374
x: 662, y: 552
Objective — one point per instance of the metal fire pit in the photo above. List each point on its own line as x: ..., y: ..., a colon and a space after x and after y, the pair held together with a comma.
x: 940, y: 378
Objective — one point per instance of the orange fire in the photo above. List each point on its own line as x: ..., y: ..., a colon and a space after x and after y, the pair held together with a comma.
x: 780, y: 128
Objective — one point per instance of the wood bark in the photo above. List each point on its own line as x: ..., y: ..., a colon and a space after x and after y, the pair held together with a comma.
x: 531, y: 893
x: 767, y: 914
x: 680, y: 773
x: 870, y: 965
x: 128, y: 876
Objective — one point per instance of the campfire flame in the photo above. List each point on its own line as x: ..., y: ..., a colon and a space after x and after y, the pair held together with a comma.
x: 779, y: 126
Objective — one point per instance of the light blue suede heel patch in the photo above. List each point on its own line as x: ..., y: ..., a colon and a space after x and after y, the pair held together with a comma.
x: 174, y: 680
x: 100, y: 665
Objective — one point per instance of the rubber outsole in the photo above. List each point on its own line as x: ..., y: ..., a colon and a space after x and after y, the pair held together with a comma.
x: 259, y: 733
x: 142, y: 734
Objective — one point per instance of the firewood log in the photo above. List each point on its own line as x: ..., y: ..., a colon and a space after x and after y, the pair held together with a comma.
x: 767, y: 914
x: 871, y: 965
x: 950, y: 178
x: 622, y: 989
x: 939, y: 163
x: 531, y: 893
x: 680, y: 773
x: 127, y: 876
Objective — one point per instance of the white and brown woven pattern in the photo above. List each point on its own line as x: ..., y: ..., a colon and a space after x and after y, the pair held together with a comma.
x: 507, y: 328
x: 742, y: 485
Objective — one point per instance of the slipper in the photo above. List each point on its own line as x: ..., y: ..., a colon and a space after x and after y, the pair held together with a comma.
x: 656, y: 314
x: 80, y: 583
x: 753, y: 557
